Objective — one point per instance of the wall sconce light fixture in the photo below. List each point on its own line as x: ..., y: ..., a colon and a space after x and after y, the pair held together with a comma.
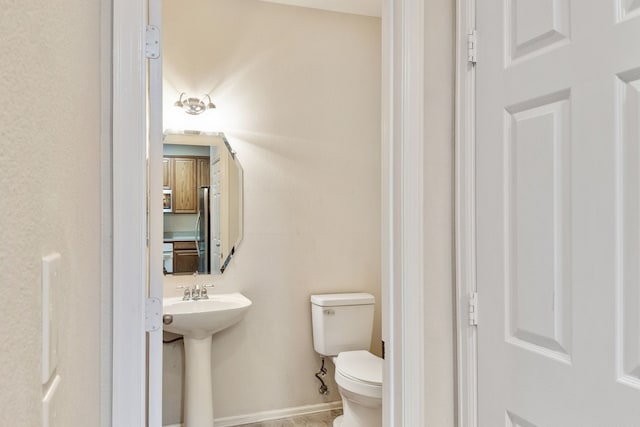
x: 194, y: 106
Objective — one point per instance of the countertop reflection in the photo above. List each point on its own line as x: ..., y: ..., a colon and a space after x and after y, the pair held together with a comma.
x: 179, y: 236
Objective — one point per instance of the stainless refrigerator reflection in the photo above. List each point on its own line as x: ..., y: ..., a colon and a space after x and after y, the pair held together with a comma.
x: 208, y: 234
x: 203, y: 231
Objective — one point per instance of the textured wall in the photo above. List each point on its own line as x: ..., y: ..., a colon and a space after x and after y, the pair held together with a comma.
x: 298, y: 95
x: 50, y: 181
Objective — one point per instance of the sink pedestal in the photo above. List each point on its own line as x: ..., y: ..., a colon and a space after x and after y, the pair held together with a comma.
x: 198, y: 320
x: 198, y: 390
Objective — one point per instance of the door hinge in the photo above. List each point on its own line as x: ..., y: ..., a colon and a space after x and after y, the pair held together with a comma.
x: 472, y: 47
x: 152, y: 314
x: 473, y: 309
x: 152, y: 42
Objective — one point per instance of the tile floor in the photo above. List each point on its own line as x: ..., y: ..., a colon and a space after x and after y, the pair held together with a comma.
x: 320, y: 419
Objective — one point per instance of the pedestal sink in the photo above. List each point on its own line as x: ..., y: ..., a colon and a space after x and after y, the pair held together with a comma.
x: 198, y: 320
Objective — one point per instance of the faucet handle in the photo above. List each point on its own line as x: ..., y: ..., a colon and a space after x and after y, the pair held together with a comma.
x: 187, y: 292
x: 203, y: 292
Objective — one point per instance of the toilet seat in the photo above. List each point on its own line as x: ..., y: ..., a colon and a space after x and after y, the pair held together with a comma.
x: 359, y: 372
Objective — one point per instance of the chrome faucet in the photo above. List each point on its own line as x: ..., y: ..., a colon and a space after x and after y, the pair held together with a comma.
x: 195, y: 293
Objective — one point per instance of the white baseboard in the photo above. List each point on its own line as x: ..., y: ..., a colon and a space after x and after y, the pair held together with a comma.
x: 272, y: 415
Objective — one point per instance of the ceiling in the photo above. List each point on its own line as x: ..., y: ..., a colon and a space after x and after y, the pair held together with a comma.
x: 358, y: 7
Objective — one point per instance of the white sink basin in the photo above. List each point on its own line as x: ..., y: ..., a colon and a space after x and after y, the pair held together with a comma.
x: 197, y: 319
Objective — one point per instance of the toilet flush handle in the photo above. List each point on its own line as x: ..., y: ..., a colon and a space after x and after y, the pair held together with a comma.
x: 329, y: 312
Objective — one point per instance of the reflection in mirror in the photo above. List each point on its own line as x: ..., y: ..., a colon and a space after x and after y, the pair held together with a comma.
x: 202, y: 180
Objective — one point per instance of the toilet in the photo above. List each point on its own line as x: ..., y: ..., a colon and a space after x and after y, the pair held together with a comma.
x: 342, y: 325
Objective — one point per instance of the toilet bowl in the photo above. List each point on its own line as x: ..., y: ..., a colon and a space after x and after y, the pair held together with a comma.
x: 359, y: 379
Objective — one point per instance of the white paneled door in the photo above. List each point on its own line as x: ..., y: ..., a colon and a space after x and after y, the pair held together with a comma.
x: 558, y: 212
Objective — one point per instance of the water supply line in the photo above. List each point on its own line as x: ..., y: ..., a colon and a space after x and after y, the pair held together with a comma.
x: 319, y: 375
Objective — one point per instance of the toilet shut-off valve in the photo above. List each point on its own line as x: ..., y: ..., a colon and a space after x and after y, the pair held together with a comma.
x: 319, y: 375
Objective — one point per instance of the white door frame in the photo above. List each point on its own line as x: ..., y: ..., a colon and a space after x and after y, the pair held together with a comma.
x: 465, y: 256
x: 402, y: 212
x: 129, y: 398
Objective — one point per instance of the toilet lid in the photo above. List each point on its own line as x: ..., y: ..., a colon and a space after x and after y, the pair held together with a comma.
x: 361, y: 366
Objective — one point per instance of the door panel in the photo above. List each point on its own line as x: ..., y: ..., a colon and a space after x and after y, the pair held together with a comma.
x: 558, y: 212
x: 535, y: 26
x: 628, y: 8
x: 538, y: 168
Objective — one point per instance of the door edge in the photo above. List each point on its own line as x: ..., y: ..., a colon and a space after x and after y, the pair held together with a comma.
x: 465, y: 267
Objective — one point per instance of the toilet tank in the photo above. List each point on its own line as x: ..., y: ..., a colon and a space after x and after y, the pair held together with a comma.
x: 341, y: 322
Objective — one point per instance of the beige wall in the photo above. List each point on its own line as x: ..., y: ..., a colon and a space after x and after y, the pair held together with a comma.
x: 298, y: 96
x: 50, y: 184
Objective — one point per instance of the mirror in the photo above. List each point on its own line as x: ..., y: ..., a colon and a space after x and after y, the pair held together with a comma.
x: 202, y: 192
